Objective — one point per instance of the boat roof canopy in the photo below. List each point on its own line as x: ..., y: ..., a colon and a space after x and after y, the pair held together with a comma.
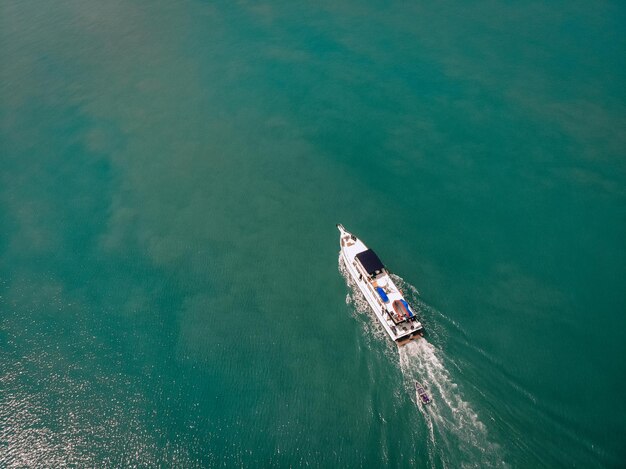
x: 370, y: 261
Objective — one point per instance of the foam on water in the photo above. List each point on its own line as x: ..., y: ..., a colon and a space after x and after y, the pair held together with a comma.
x: 454, y: 426
x: 456, y: 435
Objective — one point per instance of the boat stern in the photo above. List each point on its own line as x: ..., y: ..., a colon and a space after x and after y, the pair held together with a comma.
x: 417, y: 334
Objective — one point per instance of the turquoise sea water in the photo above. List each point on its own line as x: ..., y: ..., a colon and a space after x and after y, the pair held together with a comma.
x: 170, y: 178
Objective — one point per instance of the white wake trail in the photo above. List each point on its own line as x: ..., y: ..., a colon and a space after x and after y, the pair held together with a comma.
x: 456, y: 435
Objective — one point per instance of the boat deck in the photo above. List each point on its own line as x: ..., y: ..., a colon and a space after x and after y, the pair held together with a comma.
x: 399, y: 327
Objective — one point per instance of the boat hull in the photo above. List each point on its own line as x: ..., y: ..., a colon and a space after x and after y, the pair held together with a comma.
x: 401, y: 334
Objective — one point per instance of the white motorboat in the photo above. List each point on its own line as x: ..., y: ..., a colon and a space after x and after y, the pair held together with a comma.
x: 383, y: 296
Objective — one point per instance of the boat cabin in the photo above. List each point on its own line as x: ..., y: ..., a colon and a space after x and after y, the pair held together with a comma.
x: 370, y: 263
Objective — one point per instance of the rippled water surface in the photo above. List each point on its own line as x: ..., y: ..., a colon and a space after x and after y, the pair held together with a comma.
x: 170, y: 178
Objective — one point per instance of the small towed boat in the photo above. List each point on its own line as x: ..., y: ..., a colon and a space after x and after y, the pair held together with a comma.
x: 422, y: 395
